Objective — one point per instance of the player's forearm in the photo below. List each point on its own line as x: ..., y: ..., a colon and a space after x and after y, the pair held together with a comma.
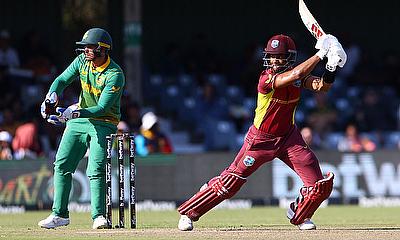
x: 326, y: 87
x: 305, y: 68
x: 299, y: 72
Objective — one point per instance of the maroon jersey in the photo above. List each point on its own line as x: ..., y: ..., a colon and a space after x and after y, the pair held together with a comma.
x: 275, y: 107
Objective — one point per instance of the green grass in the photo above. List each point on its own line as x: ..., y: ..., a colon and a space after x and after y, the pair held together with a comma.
x: 334, y: 222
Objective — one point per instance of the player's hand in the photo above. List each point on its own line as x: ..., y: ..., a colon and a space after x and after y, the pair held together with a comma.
x: 336, y: 57
x: 323, y: 44
x: 49, y: 104
x: 64, y: 114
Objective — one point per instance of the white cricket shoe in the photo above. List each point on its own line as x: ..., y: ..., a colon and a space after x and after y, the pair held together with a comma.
x: 307, y: 225
x: 185, y: 223
x: 53, y: 221
x: 100, y: 222
x: 205, y: 185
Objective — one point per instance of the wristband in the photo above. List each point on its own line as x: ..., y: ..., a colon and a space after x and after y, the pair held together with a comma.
x: 328, y: 76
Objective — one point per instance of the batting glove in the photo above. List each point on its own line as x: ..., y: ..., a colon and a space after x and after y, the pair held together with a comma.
x: 64, y: 114
x: 336, y: 57
x: 48, y: 105
x: 323, y: 44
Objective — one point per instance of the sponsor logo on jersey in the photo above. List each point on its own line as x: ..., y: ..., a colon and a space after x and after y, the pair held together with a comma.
x: 86, y: 87
x: 297, y: 83
x: 83, y: 72
x: 248, y: 161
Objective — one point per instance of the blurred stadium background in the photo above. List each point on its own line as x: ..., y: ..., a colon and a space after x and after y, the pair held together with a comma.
x: 196, y: 64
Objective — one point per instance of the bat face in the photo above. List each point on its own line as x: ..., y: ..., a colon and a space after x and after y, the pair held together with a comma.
x: 316, y: 31
x: 309, y: 20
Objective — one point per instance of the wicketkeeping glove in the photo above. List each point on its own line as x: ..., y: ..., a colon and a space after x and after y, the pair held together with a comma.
x: 64, y: 114
x: 49, y: 104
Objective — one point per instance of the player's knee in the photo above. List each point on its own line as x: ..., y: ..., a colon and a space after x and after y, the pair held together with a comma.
x: 94, y: 176
x: 226, y: 186
x: 63, y: 169
x: 96, y: 171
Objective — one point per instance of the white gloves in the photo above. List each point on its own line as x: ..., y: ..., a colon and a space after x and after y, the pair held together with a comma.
x: 330, y: 47
x: 64, y: 114
x: 323, y: 44
x: 59, y: 115
x: 336, y: 57
x: 49, y: 105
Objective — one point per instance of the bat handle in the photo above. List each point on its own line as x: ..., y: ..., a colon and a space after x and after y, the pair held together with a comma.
x: 50, y: 108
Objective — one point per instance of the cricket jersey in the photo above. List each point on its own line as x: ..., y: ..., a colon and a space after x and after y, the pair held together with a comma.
x: 275, y: 107
x: 102, y: 88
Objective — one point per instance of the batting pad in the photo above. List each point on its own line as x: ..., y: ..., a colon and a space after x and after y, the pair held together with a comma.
x: 217, y: 190
x: 309, y: 200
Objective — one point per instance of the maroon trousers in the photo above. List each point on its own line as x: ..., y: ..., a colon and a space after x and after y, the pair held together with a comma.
x: 291, y: 149
x: 258, y: 148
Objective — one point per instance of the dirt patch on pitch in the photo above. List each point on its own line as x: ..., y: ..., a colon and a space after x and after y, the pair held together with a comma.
x: 250, y: 233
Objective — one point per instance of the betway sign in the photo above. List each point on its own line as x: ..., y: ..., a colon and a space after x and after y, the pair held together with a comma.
x: 357, y: 175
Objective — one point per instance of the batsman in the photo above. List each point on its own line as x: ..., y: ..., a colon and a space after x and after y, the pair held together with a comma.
x: 88, y: 122
x: 274, y: 134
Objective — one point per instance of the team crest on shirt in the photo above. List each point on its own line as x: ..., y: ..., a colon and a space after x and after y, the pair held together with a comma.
x: 100, y: 80
x: 248, y: 161
x: 297, y: 83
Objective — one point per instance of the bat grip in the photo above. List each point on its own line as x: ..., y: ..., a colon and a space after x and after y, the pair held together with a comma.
x: 50, y: 108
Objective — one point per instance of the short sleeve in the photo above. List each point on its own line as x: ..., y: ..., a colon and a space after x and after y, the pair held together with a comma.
x: 266, y: 82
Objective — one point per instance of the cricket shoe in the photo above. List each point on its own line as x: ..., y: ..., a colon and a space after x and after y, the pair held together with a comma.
x: 185, y: 223
x: 53, y: 221
x: 100, y: 222
x: 306, y: 225
x: 204, y: 186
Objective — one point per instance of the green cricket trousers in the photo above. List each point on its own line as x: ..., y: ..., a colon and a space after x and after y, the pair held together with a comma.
x: 79, y: 135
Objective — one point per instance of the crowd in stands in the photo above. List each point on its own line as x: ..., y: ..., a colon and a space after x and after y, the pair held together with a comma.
x: 210, y: 97
x: 25, y: 71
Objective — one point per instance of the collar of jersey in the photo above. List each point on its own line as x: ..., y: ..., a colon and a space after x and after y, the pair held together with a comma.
x: 102, y: 67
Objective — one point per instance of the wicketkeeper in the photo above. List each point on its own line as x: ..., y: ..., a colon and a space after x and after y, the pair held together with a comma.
x: 274, y: 133
x: 88, y: 122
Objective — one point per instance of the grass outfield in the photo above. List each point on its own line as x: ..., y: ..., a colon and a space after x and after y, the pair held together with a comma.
x: 335, y: 222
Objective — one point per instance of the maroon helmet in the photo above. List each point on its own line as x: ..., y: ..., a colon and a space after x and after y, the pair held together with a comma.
x: 283, y: 47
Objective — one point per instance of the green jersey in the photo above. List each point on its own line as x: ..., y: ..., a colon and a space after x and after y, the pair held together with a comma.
x: 102, y: 88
